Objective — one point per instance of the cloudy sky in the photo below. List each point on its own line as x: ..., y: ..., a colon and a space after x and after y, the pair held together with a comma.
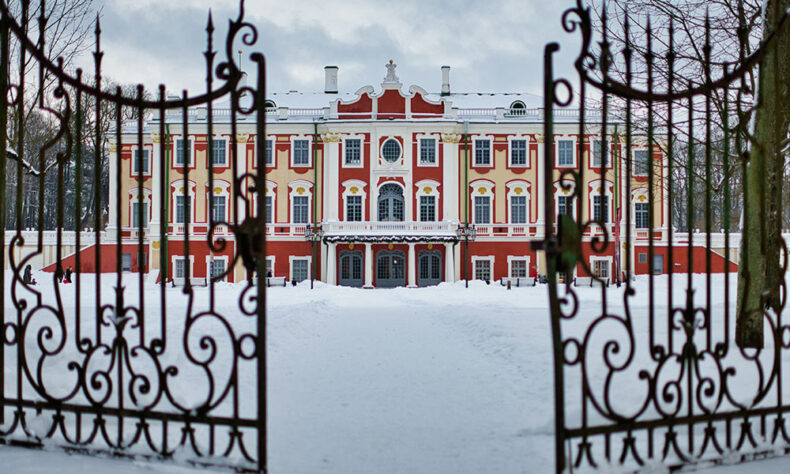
x: 494, y: 45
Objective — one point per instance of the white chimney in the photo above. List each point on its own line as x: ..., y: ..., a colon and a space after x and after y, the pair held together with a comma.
x: 330, y: 80
x: 445, y: 80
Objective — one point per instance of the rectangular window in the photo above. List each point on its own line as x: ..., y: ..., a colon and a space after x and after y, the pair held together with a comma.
x: 518, y: 153
x: 301, y: 153
x: 427, y: 151
x: 269, y: 267
x: 601, y: 212
x: 565, y: 152
x: 181, y: 155
x: 301, y: 212
x: 269, y: 155
x: 181, y: 268
x: 269, y: 216
x: 518, y: 268
x: 640, y: 163
x: 182, y: 210
x: 353, y: 151
x: 482, y: 210
x: 141, y: 162
x: 354, y: 208
x: 140, y: 214
x: 218, y: 204
x: 217, y: 268
x: 642, y: 215
x: 483, y: 270
x: 597, y: 153
x: 482, y: 153
x: 299, y: 270
x: 218, y: 154
x: 601, y: 268
x: 427, y: 208
x: 642, y: 257
x: 518, y: 209
x: 562, y: 205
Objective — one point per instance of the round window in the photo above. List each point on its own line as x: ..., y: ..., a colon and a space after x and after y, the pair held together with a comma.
x: 391, y: 150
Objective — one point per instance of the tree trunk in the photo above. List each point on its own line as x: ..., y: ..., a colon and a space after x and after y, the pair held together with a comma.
x: 759, y: 273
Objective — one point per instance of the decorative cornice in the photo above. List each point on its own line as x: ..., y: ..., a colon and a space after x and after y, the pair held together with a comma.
x: 539, y: 137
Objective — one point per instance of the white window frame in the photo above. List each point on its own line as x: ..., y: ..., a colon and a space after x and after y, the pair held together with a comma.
x: 211, y: 152
x: 271, y: 191
x: 175, y: 191
x: 480, y: 258
x: 401, y: 157
x: 511, y: 191
x: 512, y: 258
x: 134, y: 198
x: 191, y: 264
x: 271, y: 258
x: 224, y: 187
x: 558, y: 191
x: 482, y: 138
x: 574, y: 151
x: 222, y: 258
x: 488, y: 191
x: 268, y: 160
x: 593, y: 189
x: 510, y: 141
x: 361, y: 163
x: 427, y: 187
x: 604, y: 153
x: 191, y: 162
x: 308, y: 192
x: 292, y: 258
x: 420, y: 162
x: 348, y: 190
x: 607, y: 260
x: 150, y: 152
x: 309, y: 140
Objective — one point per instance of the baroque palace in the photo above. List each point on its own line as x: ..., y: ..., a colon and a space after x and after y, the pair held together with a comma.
x: 381, y: 188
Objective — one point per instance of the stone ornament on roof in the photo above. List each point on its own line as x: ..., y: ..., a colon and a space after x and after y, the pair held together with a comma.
x: 391, y: 79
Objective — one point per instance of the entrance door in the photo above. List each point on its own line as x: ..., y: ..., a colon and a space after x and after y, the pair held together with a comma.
x: 390, y: 269
x: 658, y: 264
x: 430, y: 268
x: 350, y: 269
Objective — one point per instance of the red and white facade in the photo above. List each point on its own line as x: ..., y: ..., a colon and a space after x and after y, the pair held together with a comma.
x: 388, y: 176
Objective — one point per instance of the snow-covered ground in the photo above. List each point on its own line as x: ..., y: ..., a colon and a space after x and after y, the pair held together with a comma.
x: 435, y: 380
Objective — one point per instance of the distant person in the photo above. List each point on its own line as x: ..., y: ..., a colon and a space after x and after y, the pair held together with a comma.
x: 68, y: 275
x: 59, y: 274
x: 27, y: 277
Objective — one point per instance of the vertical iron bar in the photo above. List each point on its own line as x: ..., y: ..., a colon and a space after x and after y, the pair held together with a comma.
x: 550, y: 249
x: 651, y: 198
x: 209, y: 55
x: 164, y: 219
x: 78, y: 215
x: 188, y: 205
x: 689, y: 312
x: 4, y: 70
x: 118, y: 341
x: 97, y: 180
x: 708, y: 194
x: 670, y: 58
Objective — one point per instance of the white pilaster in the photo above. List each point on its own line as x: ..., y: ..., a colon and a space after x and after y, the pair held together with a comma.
x: 241, y: 168
x: 541, y: 187
x: 331, y: 263
x: 369, y: 266
x: 449, y: 263
x: 113, y: 233
x: 412, y: 274
x: 331, y: 175
x: 156, y: 185
x: 458, y: 262
x: 450, y: 177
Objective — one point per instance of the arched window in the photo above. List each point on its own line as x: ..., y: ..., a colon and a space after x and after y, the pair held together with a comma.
x: 518, y: 108
x: 390, y: 202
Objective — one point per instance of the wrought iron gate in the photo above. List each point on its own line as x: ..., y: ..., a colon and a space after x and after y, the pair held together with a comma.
x: 642, y: 376
x: 115, y: 363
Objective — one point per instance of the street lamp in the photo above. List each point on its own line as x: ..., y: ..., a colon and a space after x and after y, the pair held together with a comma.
x: 313, y: 234
x: 466, y: 232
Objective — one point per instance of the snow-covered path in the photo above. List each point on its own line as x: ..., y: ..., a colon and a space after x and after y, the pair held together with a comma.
x: 399, y: 389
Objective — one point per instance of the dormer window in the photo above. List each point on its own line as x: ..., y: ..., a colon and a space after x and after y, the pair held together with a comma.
x: 269, y: 104
x: 518, y: 108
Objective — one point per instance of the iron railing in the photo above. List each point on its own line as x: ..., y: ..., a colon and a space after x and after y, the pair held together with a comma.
x: 104, y: 364
x: 646, y: 377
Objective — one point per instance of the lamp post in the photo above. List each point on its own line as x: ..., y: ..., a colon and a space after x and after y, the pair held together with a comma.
x: 466, y: 232
x: 313, y: 234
